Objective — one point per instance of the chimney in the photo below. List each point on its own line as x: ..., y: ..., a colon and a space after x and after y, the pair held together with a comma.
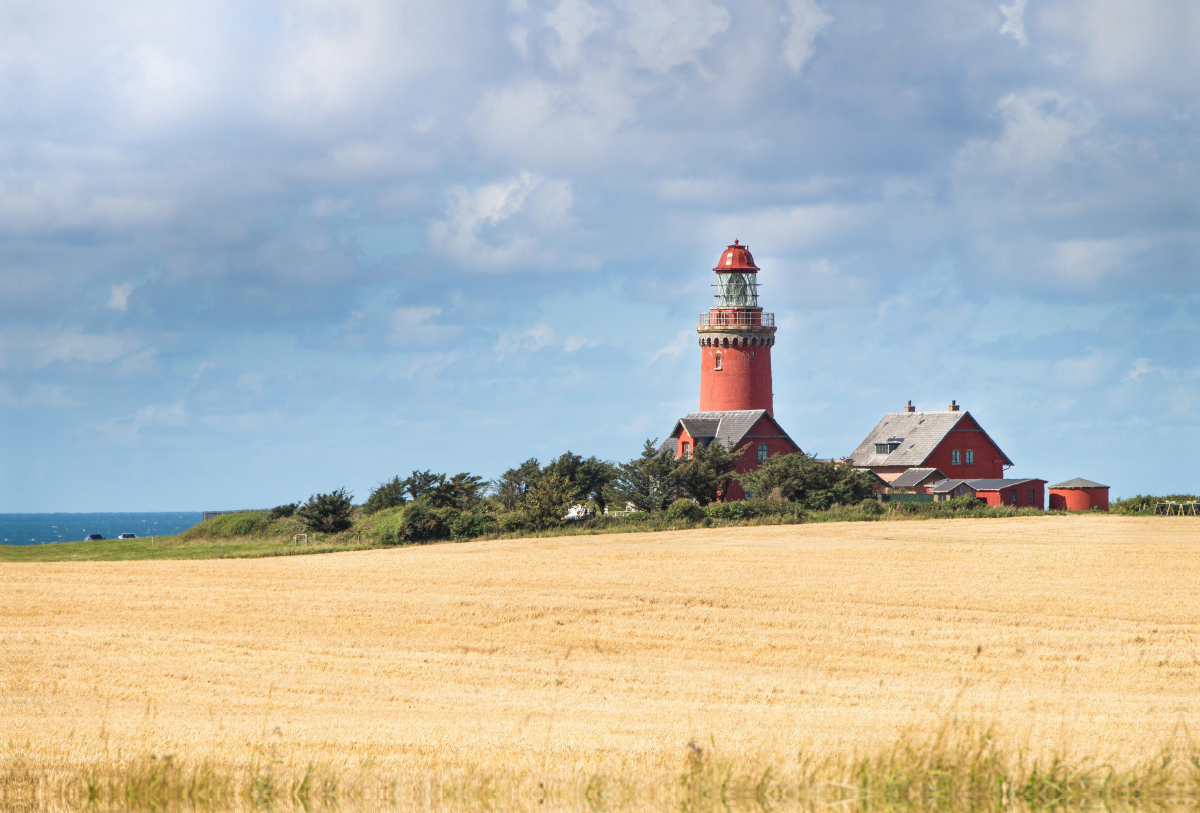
x: 953, y: 407
x: 910, y: 407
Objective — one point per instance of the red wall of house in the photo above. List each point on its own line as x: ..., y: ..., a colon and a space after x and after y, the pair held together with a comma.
x: 762, y: 432
x: 1004, y: 495
x: 1078, y: 499
x: 989, y: 463
x: 743, y: 382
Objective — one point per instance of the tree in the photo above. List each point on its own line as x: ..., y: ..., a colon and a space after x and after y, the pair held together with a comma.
x: 420, y: 483
x: 326, y: 513
x: 801, y: 479
x: 650, y: 481
x: 511, y: 486
x: 546, y: 500
x: 462, y: 491
x: 385, y: 495
x: 707, y: 474
x: 591, y: 477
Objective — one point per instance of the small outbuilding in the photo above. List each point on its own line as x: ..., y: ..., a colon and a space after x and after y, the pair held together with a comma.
x: 917, y: 481
x: 1078, y: 495
x: 1030, y: 493
x: 949, y: 489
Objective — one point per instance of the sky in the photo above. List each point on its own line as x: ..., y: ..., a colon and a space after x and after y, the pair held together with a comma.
x: 252, y: 251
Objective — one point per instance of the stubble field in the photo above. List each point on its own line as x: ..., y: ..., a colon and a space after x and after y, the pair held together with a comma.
x: 590, y: 654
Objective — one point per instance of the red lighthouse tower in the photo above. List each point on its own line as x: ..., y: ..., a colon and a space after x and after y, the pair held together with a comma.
x: 736, y: 401
x: 736, y: 339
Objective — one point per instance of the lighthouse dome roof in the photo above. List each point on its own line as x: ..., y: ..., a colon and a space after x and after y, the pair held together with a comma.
x: 736, y: 258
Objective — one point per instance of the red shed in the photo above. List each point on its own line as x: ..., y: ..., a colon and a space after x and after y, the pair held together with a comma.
x: 1017, y: 493
x: 1078, y: 495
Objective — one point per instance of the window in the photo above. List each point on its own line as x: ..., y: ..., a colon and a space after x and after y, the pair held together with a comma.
x: 687, y: 450
x: 718, y: 362
x: 956, y: 458
x: 970, y: 457
x: 1014, y: 496
x: 762, y: 452
x: 882, y: 448
x: 1032, y: 495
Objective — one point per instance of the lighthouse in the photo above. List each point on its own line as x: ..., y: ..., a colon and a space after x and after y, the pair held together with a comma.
x: 737, y: 406
x: 736, y: 339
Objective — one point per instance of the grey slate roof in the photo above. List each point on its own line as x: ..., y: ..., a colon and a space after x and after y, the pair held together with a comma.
x: 997, y: 484
x: 919, y: 434
x: 727, y: 427
x: 1079, y: 482
x: 914, y: 477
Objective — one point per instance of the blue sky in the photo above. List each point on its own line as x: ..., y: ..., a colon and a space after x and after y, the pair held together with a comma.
x: 255, y: 250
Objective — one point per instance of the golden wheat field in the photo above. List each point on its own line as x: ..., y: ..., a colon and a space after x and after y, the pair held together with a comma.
x: 1076, y: 633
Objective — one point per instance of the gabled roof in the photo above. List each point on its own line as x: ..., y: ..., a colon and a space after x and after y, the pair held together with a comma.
x: 997, y: 484
x: 1079, y: 482
x: 914, y: 477
x: 946, y: 486
x: 730, y: 428
x: 918, y: 433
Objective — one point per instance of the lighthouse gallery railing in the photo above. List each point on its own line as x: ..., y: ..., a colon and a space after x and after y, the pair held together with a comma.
x: 737, y: 319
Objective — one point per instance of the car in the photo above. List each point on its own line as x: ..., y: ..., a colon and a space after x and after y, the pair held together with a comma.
x: 93, y: 538
x: 127, y: 536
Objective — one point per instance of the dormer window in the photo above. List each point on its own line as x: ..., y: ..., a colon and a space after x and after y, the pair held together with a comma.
x: 887, y: 448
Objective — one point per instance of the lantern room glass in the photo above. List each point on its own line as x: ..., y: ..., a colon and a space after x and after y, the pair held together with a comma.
x: 737, y: 290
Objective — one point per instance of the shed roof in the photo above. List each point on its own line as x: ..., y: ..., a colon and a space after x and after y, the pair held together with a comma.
x: 1079, y: 482
x: 914, y: 477
x: 918, y: 433
x: 727, y: 427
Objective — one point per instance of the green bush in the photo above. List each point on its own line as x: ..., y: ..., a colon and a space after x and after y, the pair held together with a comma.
x: 741, y: 509
x: 285, y: 510
x: 386, y: 526
x: 511, y: 522
x: 385, y: 495
x: 1144, y: 503
x: 470, y: 524
x: 326, y: 513
x: 685, y: 509
x: 425, y: 524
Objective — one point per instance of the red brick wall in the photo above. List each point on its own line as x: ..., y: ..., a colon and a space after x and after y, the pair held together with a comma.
x: 743, y: 382
x: 989, y: 463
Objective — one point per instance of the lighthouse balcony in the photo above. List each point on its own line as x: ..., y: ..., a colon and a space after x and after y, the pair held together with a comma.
x: 748, y: 318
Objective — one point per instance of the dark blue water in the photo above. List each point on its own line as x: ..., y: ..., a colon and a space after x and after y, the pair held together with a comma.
x: 37, y: 529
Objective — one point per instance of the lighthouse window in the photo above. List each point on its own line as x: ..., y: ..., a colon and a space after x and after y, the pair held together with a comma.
x: 718, y: 362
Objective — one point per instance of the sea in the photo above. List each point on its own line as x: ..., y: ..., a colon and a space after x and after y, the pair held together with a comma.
x: 40, y: 529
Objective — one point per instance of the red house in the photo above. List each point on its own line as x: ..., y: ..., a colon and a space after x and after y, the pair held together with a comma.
x: 952, y: 442
x: 1078, y: 495
x: 1017, y: 493
x: 734, y: 428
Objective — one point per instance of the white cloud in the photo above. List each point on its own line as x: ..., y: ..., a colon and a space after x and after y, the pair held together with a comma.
x: 672, y: 349
x: 1139, y: 369
x: 1041, y: 128
x: 526, y: 341
x: 668, y: 33
x: 1014, y: 21
x: 789, y: 227
x: 1084, y: 263
x: 1083, y: 371
x: 119, y: 300
x: 807, y: 21
x: 574, y: 343
x: 33, y: 349
x: 481, y: 230
x: 572, y: 21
